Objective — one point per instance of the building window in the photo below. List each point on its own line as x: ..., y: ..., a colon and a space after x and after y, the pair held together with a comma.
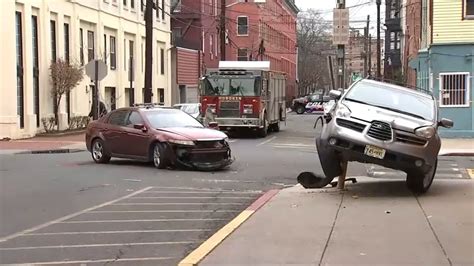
x: 454, y: 89
x: 90, y: 46
x: 66, y: 42
x: 162, y: 61
x: 242, y: 54
x: 53, y: 40
x: 34, y: 35
x: 113, y: 56
x: 19, y: 69
x: 469, y: 9
x: 242, y: 26
x: 395, y: 40
x: 124, y: 3
x: 105, y: 48
x: 142, y: 5
x: 163, y: 10
x: 211, y: 46
x: 176, y: 5
x: 131, y: 61
x: 161, y: 95
x: 132, y: 4
x: 110, y: 98
x: 81, y: 46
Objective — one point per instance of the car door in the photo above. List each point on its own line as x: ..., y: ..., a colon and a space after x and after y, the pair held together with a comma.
x: 136, y: 140
x: 113, y: 134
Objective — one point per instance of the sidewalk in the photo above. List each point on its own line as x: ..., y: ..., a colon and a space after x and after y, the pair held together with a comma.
x: 374, y: 222
x: 457, y: 147
x: 44, y: 144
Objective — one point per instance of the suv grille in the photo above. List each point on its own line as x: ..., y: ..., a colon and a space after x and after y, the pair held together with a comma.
x: 229, y: 109
x: 380, y: 130
x: 350, y: 124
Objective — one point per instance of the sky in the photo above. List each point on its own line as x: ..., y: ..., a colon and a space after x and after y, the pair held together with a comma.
x: 355, y: 13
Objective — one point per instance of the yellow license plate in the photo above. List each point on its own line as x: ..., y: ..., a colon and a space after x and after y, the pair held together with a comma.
x: 375, y: 152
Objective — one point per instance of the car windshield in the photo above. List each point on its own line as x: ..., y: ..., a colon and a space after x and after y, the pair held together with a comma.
x: 392, y: 99
x: 171, y: 118
x: 226, y: 86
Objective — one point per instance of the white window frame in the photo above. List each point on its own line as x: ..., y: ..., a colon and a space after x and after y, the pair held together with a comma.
x: 248, y: 26
x: 467, y: 94
x: 465, y: 15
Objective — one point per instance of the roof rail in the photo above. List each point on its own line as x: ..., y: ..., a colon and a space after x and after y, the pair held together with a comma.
x: 399, y: 83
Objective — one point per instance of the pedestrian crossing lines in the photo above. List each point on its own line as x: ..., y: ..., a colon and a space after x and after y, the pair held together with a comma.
x: 446, y: 170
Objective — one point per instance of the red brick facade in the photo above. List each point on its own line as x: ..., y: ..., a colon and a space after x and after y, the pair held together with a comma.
x: 271, y: 35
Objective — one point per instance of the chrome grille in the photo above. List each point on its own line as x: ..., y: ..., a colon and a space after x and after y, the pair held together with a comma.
x: 380, y: 130
x: 229, y: 109
x: 350, y: 124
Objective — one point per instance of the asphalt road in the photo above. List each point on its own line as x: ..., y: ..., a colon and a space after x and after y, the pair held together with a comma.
x: 63, y: 207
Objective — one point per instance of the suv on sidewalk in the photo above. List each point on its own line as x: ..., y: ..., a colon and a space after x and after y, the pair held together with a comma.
x: 383, y: 124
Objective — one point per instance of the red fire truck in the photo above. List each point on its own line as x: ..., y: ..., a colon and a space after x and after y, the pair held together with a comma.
x: 245, y: 95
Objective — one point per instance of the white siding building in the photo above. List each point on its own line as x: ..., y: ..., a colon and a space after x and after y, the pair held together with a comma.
x: 35, y: 32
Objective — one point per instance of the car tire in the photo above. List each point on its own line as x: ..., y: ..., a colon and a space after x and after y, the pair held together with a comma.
x: 159, y: 156
x: 420, y: 183
x: 300, y: 109
x: 98, y: 152
x: 263, y: 132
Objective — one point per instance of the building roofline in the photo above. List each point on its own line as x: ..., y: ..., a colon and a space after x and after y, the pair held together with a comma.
x: 292, y: 5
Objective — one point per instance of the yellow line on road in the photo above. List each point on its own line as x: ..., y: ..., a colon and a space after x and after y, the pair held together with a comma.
x: 205, y: 248
x: 471, y: 173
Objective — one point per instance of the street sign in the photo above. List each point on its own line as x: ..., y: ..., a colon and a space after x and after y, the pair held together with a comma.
x: 341, y: 26
x: 101, y: 69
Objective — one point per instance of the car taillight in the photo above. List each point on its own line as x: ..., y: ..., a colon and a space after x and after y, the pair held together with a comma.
x: 212, y: 108
x: 248, y: 109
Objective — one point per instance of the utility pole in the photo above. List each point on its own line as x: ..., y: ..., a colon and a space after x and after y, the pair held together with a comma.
x: 149, y: 50
x: 366, y: 46
x: 341, y: 4
x: 379, y: 75
x: 370, y: 55
x: 222, y: 30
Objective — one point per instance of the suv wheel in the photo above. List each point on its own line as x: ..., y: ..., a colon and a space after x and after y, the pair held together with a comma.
x: 420, y: 183
x: 300, y: 109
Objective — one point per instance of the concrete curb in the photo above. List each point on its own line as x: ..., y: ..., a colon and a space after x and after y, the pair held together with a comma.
x: 209, y: 245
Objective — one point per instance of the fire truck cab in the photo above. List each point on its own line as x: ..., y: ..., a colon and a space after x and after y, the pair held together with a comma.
x: 244, y: 95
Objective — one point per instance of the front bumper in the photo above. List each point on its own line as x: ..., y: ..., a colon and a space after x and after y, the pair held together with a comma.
x: 350, y: 146
x: 201, y: 158
x: 225, y: 123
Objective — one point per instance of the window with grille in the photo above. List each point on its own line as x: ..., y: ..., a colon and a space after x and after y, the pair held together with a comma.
x: 90, y: 46
x: 454, y: 89
x: 242, y: 26
x: 242, y: 55
x: 113, y: 58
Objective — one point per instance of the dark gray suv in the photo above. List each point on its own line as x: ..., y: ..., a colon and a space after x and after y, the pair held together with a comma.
x: 383, y: 124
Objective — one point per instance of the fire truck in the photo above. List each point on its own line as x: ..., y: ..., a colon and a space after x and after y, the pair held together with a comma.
x: 244, y: 95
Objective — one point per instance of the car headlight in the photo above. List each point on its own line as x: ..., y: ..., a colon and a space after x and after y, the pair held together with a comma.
x: 425, y: 132
x: 343, y: 111
x: 182, y: 142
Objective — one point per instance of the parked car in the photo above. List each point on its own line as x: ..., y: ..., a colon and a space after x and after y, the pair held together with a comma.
x: 383, y: 124
x: 164, y: 136
x: 309, y: 103
x: 193, y: 109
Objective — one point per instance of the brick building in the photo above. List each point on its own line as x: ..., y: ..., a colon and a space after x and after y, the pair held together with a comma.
x: 264, y: 31
x: 355, y: 55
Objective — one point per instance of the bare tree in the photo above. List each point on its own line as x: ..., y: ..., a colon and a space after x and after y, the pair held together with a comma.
x: 314, y: 45
x: 65, y: 77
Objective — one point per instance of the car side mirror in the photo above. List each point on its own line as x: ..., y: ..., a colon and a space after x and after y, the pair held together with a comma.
x: 447, y: 123
x: 335, y: 94
x: 140, y: 126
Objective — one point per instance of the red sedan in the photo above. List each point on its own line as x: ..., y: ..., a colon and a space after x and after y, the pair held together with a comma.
x: 163, y: 136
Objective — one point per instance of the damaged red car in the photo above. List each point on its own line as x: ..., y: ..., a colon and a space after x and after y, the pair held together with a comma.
x: 164, y: 136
